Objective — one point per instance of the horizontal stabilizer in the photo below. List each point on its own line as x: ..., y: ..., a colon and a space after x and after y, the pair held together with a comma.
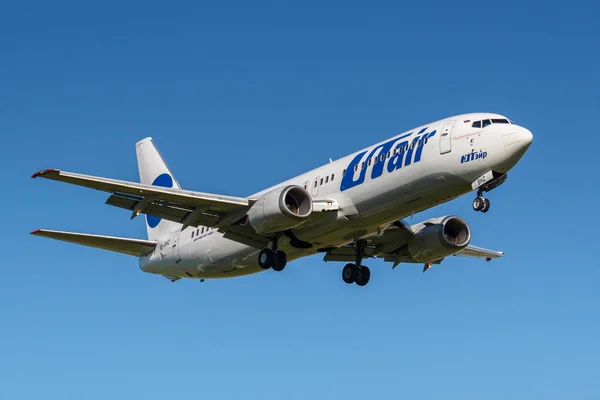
x: 132, y: 247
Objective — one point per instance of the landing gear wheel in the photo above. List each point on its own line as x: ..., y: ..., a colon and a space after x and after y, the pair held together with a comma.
x: 478, y: 203
x: 486, y: 206
x: 266, y: 258
x: 280, y: 261
x: 364, y: 274
x: 349, y: 273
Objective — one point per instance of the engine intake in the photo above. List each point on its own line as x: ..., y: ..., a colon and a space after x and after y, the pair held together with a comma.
x: 438, y: 240
x: 280, y: 209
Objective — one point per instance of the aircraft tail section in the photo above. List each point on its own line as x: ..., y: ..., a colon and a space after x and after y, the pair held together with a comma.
x: 154, y: 171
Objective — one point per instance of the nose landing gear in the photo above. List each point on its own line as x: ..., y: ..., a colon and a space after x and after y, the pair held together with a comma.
x: 485, y: 183
x: 481, y: 203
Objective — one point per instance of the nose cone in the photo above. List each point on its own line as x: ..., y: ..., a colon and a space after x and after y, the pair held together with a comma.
x: 526, y: 137
x: 516, y: 142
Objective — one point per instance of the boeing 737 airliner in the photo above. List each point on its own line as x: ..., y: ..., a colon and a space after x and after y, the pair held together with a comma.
x: 349, y: 209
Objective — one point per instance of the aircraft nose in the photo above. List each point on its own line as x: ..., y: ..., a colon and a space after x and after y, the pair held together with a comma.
x: 516, y: 142
x: 526, y: 136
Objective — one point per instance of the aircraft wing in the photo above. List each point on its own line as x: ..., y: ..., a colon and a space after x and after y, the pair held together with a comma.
x: 182, y: 206
x: 391, y: 245
x: 478, y: 252
x: 186, y: 207
x: 132, y: 247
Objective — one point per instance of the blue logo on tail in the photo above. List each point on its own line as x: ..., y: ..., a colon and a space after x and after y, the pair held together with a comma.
x: 163, y: 180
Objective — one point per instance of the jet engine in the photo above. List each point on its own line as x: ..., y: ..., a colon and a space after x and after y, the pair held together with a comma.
x: 280, y: 209
x: 439, y: 238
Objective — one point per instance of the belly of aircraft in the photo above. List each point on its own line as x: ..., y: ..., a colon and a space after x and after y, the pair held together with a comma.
x: 399, y: 202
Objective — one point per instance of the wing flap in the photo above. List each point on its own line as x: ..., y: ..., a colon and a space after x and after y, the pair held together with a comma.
x: 132, y: 247
x: 171, y: 212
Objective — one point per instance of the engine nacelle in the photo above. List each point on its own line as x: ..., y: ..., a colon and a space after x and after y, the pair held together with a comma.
x: 434, y: 241
x: 280, y: 209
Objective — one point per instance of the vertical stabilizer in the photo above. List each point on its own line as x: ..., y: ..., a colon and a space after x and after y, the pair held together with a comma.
x: 154, y: 171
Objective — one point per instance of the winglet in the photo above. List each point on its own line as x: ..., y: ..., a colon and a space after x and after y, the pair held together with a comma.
x: 45, y: 171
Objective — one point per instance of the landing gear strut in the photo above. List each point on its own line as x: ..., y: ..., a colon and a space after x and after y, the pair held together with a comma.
x: 481, y: 203
x: 272, y: 258
x: 357, y: 273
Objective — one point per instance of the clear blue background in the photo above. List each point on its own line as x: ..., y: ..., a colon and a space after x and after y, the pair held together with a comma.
x: 242, y: 95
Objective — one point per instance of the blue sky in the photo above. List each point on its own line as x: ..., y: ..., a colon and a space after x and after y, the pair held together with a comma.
x: 241, y: 95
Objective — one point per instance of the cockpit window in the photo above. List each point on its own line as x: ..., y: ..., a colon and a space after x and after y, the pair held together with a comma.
x: 486, y: 122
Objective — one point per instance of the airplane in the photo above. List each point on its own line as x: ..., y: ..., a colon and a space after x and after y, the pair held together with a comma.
x: 350, y: 209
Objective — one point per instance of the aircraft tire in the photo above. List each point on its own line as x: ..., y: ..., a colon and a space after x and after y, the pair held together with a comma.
x: 363, y: 276
x: 478, y: 203
x: 266, y: 258
x: 349, y: 273
x: 486, y: 206
x: 280, y: 261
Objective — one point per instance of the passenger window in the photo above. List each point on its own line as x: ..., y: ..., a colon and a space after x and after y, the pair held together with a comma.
x: 400, y: 149
x: 332, y: 176
x: 197, y: 231
x: 476, y: 124
x: 315, y: 183
x: 425, y: 141
x: 485, y: 123
x: 389, y: 153
x: 369, y: 162
x: 344, y: 173
x: 363, y: 165
x: 202, y: 231
x: 406, y: 147
x: 382, y: 157
x: 327, y: 179
x: 321, y: 181
x: 305, y: 186
x: 418, y: 142
x: 356, y: 168
x: 499, y: 121
x: 193, y: 233
x: 412, y: 145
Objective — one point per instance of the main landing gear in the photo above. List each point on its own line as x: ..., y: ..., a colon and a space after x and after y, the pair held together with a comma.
x: 357, y: 273
x: 481, y: 203
x: 272, y: 258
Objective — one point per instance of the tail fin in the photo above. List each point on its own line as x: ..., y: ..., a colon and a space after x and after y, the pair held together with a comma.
x: 154, y: 171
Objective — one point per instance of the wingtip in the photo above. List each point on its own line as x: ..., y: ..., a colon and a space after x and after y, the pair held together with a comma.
x: 35, y: 232
x: 42, y: 172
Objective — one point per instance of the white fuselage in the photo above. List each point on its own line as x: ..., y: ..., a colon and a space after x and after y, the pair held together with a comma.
x: 373, y: 187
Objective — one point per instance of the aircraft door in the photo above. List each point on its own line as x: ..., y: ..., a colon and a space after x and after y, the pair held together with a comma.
x: 446, y: 137
x: 315, y: 187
